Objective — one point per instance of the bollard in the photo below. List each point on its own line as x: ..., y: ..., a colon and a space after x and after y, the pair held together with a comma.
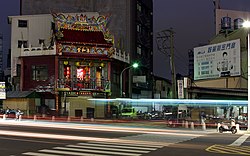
x: 203, y: 126
x: 183, y: 123
x: 4, y: 117
x: 192, y: 125
x: 43, y: 115
x: 186, y: 124
x: 92, y: 119
x: 218, y: 126
x: 20, y: 117
x: 238, y: 128
x: 53, y: 118
x: 68, y: 120
x: 81, y: 118
x: 35, y: 118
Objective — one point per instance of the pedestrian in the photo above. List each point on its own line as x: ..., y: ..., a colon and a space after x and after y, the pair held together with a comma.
x: 7, y: 110
x: 18, y: 113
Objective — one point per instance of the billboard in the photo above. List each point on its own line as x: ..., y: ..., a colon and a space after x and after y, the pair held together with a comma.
x: 217, y: 60
x: 2, y: 90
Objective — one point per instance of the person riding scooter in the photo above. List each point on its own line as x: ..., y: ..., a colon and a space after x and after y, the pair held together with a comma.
x: 227, y: 127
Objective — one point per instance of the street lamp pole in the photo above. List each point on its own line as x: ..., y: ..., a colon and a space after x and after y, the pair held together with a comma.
x: 135, y: 65
x: 246, y: 24
x: 248, y: 82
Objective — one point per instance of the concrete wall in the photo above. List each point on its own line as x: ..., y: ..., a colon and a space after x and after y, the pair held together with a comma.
x: 230, y: 82
x: 26, y: 105
x: 82, y: 103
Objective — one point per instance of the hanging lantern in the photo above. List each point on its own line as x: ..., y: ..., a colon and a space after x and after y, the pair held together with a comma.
x: 91, y: 64
x: 77, y: 64
x: 102, y: 64
x: 65, y: 62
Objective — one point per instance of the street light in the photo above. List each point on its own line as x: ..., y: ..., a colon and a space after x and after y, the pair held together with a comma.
x: 246, y: 24
x: 135, y: 65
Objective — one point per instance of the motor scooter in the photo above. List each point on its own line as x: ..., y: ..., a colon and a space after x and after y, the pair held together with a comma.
x: 227, y: 127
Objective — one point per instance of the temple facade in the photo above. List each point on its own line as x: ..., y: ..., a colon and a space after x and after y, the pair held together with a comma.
x: 67, y: 59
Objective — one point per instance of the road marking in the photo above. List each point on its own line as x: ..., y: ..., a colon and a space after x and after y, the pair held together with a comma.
x: 240, y: 140
x: 226, y: 149
x: 97, y: 149
x: 127, y: 145
x: 69, y: 153
x: 110, y: 149
x: 39, y: 154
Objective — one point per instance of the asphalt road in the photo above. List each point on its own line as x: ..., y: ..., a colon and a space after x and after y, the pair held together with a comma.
x: 52, y: 139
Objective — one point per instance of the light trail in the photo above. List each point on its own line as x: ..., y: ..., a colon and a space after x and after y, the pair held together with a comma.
x: 108, y: 128
x: 75, y: 138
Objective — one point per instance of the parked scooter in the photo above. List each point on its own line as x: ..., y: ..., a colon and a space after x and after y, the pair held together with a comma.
x: 228, y: 127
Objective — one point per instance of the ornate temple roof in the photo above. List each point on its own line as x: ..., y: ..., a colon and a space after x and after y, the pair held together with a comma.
x: 80, y: 29
x: 84, y: 37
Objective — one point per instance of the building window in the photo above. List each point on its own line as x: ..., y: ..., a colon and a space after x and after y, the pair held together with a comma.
x: 139, y: 49
x: 41, y: 41
x: 138, y: 28
x: 40, y: 73
x: 20, y: 42
x: 138, y: 6
x: 22, y: 23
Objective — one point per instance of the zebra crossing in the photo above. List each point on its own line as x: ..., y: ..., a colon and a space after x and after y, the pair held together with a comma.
x: 97, y: 148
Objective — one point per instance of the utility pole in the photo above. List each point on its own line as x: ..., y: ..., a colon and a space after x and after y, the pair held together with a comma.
x: 165, y: 43
x: 172, y: 63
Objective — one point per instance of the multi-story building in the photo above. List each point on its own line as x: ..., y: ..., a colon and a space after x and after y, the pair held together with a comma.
x: 1, y: 58
x: 67, y: 58
x: 220, y: 68
x: 131, y: 24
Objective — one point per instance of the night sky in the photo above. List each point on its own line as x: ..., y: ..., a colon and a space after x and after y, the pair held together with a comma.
x: 191, y: 20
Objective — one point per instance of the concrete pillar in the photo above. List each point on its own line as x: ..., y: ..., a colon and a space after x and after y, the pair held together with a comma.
x: 35, y: 118
x: 4, y: 117
x: 20, y: 117
x: 186, y: 124
x: 203, y: 124
x: 68, y: 120
x: 53, y: 118
x: 192, y: 125
x: 238, y: 128
x: 218, y: 126
x: 183, y: 123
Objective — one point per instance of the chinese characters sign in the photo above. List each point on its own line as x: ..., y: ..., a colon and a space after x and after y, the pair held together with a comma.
x: 217, y: 60
x: 2, y: 90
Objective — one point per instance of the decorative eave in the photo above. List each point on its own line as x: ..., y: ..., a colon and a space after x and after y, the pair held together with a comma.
x: 82, y: 23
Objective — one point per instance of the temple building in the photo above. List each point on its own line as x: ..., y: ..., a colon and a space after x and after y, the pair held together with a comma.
x: 67, y: 59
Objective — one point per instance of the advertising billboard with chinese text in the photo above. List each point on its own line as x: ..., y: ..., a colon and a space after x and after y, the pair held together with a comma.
x: 217, y: 60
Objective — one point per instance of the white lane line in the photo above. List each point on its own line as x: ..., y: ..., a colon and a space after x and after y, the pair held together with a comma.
x: 121, y: 145
x: 240, y: 140
x: 95, y: 151
x: 70, y: 153
x: 39, y: 154
x: 109, y: 149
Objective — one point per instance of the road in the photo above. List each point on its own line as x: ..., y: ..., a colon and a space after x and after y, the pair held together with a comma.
x: 19, y: 138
